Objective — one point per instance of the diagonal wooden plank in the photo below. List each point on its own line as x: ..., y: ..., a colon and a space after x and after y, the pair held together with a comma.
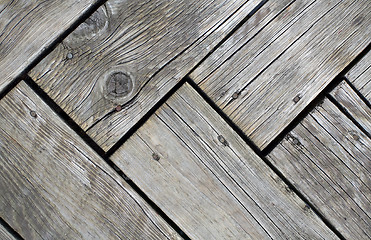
x: 5, y: 234
x: 275, y: 74
x: 353, y: 105
x: 53, y: 186
x: 28, y: 27
x: 205, y: 178
x: 145, y: 48
x: 328, y: 159
x: 360, y: 76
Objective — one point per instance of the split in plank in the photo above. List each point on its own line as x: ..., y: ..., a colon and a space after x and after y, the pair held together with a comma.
x: 275, y: 73
x: 53, y: 186
x: 138, y: 52
x: 360, y: 76
x: 208, y: 181
x: 353, y: 105
x: 327, y: 158
x: 28, y: 27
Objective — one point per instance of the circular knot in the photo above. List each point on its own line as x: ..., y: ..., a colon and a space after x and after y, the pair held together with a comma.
x: 118, y: 84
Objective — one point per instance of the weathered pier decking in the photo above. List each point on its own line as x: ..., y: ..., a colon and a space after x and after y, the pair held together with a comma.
x: 205, y: 119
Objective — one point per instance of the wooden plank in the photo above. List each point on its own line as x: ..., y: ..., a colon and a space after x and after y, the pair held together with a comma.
x: 205, y: 177
x: 52, y: 185
x: 147, y: 47
x: 5, y: 234
x: 353, y: 105
x: 360, y: 76
x: 327, y: 158
x: 278, y: 72
x: 27, y: 28
x: 263, y: 20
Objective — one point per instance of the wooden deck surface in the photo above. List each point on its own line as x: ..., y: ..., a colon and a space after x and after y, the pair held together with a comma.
x: 205, y: 119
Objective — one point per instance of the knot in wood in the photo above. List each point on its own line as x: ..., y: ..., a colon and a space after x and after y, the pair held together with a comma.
x: 91, y: 27
x: 119, y: 84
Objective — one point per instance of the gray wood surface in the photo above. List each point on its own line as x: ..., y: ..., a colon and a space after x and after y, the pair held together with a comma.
x: 27, y: 27
x: 210, y: 182
x: 360, y: 76
x: 273, y: 75
x: 131, y: 53
x: 53, y: 186
x: 5, y: 234
x: 353, y: 104
x: 327, y: 158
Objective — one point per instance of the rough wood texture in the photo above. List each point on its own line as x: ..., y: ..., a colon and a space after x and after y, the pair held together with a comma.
x: 27, y: 27
x: 205, y: 178
x: 274, y: 75
x: 328, y: 159
x: 354, y: 105
x: 5, y: 235
x: 150, y: 44
x: 53, y: 186
x: 360, y: 76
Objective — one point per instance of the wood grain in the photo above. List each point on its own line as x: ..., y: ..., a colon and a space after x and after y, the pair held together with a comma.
x: 53, y: 186
x: 327, y: 158
x: 5, y: 234
x: 205, y: 178
x: 154, y: 43
x: 353, y: 105
x: 27, y: 27
x: 360, y: 76
x: 294, y: 56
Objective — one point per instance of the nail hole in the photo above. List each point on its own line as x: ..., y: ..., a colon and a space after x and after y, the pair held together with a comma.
x: 118, y: 108
x: 235, y: 95
x: 355, y: 137
x: 295, y: 141
x: 33, y: 114
x: 296, y: 99
x: 155, y: 156
x: 222, y: 140
x: 306, y: 208
x: 69, y: 55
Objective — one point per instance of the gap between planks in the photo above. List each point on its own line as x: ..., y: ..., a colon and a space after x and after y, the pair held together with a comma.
x: 261, y: 154
x: 317, y: 100
x: 95, y: 147
x: 46, y: 50
x: 7, y: 232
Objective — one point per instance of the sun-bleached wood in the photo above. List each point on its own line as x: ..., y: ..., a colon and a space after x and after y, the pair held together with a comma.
x: 53, y: 186
x: 208, y: 180
x: 153, y: 44
x: 27, y: 27
x: 273, y: 75
x: 5, y: 234
x: 360, y: 76
x: 353, y: 104
x: 327, y: 158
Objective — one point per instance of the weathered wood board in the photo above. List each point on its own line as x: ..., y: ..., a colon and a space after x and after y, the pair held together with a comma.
x: 5, y: 234
x: 27, y: 27
x: 131, y: 53
x: 274, y: 74
x: 327, y: 158
x: 53, y: 186
x: 353, y: 105
x: 360, y: 76
x: 208, y: 180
